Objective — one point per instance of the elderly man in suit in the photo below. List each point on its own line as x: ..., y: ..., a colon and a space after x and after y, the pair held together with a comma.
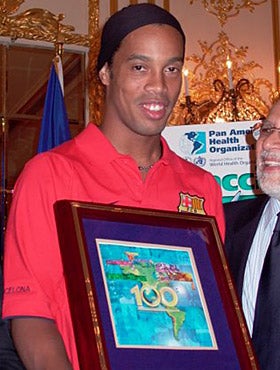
x: 253, y: 246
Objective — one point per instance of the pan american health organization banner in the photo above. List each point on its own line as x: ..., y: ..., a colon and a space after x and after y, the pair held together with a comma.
x: 227, y: 150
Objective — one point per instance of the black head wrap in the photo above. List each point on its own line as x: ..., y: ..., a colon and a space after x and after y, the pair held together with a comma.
x: 127, y: 20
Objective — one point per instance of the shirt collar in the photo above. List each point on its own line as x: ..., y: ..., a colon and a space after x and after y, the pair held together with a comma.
x: 271, y: 210
x: 93, y: 138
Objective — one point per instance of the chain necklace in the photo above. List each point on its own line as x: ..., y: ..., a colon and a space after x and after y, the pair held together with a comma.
x: 145, y: 168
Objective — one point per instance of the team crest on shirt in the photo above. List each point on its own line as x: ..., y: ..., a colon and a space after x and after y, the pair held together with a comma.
x: 191, y: 204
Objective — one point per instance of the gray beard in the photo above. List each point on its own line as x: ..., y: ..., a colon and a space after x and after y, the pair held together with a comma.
x: 269, y: 187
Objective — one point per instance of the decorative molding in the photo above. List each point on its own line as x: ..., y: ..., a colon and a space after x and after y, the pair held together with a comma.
x: 166, y: 5
x: 226, y: 9
x: 95, y: 88
x: 114, y: 6
x: 36, y: 24
x: 96, y: 91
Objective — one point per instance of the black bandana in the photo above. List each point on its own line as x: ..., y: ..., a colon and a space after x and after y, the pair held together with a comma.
x: 127, y: 20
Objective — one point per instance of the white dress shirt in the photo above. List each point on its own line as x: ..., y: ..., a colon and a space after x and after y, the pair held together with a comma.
x: 256, y: 258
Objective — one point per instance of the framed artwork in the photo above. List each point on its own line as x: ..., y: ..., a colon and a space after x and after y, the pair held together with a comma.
x: 149, y: 289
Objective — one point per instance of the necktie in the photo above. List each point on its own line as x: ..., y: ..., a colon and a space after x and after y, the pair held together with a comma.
x: 266, y: 329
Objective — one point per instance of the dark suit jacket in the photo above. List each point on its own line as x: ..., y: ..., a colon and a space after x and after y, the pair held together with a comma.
x: 242, y: 218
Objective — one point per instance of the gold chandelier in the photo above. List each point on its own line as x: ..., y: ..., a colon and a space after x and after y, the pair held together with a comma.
x: 222, y: 87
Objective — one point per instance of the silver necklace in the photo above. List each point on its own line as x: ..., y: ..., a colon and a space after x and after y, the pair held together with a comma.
x: 145, y: 168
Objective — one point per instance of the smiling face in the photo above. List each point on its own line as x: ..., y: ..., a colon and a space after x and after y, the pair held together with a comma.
x: 268, y: 155
x: 144, y: 80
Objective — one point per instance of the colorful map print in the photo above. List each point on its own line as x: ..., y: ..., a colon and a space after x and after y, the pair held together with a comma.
x: 154, y: 296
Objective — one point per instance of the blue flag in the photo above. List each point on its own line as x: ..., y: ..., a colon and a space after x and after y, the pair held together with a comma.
x: 54, y: 127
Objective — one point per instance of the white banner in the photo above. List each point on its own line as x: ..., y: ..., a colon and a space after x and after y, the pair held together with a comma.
x: 227, y: 150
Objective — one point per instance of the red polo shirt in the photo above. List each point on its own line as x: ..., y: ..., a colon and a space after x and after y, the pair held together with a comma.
x: 87, y: 168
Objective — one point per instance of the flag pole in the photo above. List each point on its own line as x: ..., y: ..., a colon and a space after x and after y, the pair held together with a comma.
x: 59, y: 48
x: 59, y: 38
x: 58, y: 60
x: 55, y: 128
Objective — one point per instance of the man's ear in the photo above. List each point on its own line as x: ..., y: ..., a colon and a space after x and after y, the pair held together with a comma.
x: 104, y: 74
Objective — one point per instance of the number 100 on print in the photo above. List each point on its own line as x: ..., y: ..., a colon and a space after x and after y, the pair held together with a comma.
x: 154, y: 296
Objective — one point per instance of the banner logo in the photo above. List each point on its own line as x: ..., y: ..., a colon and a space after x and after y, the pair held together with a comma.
x: 193, y: 142
x: 200, y: 161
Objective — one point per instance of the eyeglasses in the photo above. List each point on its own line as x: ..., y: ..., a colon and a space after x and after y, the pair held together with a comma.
x: 263, y: 129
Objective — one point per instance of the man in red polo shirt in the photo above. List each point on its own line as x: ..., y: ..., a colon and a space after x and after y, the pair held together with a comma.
x: 125, y: 161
